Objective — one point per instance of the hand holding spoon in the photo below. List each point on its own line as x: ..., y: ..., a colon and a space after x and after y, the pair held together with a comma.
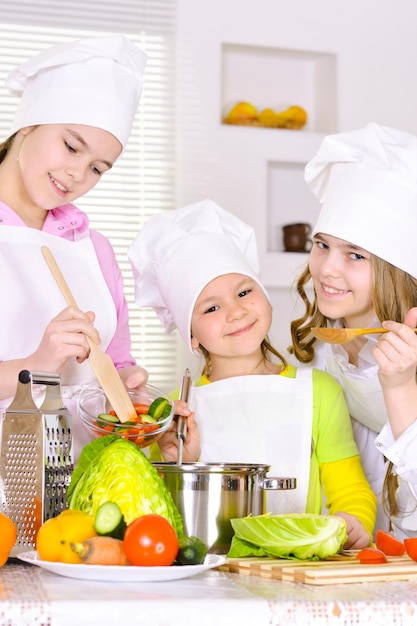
x: 344, y: 335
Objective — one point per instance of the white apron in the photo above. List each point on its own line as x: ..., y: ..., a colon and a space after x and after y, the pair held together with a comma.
x: 264, y: 420
x: 31, y: 298
x: 367, y: 409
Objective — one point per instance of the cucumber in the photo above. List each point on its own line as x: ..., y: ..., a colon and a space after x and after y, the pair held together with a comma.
x: 109, y: 521
x: 159, y: 409
x: 147, y: 419
x: 108, y: 417
x: 192, y: 551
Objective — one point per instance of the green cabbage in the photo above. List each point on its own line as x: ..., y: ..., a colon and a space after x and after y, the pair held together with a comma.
x: 295, y: 536
x: 112, y: 469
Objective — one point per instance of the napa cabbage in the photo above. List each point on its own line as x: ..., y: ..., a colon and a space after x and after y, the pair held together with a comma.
x: 290, y: 536
x: 112, y: 469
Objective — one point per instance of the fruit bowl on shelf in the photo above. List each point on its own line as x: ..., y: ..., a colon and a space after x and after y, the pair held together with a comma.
x: 154, y: 409
x: 245, y: 114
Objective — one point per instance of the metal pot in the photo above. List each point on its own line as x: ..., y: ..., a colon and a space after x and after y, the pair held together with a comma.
x: 209, y: 495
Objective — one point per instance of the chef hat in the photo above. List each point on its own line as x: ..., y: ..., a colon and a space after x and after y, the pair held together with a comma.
x: 366, y: 181
x: 176, y: 254
x: 95, y: 81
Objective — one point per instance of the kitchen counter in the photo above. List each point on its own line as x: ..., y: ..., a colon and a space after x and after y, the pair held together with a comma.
x: 32, y: 596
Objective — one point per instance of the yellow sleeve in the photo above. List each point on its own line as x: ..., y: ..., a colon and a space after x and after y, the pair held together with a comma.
x: 347, y: 489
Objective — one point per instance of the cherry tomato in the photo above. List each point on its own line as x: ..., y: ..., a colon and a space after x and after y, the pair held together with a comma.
x: 388, y: 544
x: 150, y: 540
x: 411, y: 547
x: 371, y: 556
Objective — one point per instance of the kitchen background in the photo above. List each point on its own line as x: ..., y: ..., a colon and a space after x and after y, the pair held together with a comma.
x: 346, y: 64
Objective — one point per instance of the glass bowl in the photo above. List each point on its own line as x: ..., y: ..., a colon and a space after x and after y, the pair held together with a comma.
x: 99, y: 418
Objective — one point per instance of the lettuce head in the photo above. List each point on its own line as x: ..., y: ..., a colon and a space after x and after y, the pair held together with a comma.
x: 293, y: 536
x: 112, y: 469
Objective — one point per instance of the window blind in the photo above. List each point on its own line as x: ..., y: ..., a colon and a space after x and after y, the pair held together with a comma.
x: 142, y: 182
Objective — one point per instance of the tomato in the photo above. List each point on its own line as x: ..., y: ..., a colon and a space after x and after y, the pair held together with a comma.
x: 411, y: 547
x: 371, y: 556
x: 141, y: 409
x: 388, y: 544
x: 150, y: 540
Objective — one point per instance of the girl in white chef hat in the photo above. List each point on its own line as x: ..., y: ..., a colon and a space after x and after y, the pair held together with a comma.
x: 363, y: 266
x: 77, y: 105
x: 197, y: 267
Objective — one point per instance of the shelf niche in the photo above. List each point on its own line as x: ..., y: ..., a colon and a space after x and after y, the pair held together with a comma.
x: 278, y: 78
x: 289, y: 200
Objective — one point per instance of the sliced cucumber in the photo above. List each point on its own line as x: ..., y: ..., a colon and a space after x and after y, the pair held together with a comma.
x: 147, y: 419
x: 108, y: 417
x: 109, y: 521
x: 159, y: 409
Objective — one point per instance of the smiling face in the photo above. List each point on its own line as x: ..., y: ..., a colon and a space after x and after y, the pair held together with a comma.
x: 58, y: 163
x: 231, y: 318
x: 343, y: 280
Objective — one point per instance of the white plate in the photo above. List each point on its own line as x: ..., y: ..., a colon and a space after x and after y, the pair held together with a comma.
x: 122, y: 574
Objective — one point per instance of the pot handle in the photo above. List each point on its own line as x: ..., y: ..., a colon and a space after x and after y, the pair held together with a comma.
x: 279, y: 483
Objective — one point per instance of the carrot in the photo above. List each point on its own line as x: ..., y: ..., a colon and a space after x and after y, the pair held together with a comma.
x: 101, y: 551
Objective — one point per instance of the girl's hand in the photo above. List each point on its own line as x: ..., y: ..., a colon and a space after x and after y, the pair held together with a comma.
x: 168, y: 443
x: 396, y: 352
x: 64, y: 338
x: 358, y: 538
x: 133, y: 376
x: 396, y: 355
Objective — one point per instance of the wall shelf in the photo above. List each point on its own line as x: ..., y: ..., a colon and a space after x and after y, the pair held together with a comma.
x: 295, y: 77
x: 270, y: 162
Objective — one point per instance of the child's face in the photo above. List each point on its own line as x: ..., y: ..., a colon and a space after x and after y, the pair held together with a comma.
x: 58, y: 163
x: 231, y: 317
x: 342, y: 278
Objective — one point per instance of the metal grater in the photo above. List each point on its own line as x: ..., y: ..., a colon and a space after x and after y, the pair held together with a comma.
x: 36, y: 460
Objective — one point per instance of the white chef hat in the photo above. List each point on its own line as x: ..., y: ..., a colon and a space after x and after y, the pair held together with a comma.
x: 176, y: 254
x: 95, y: 81
x: 366, y: 181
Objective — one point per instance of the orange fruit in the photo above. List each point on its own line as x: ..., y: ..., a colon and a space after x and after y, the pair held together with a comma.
x: 241, y: 112
x: 53, y: 542
x: 8, y: 534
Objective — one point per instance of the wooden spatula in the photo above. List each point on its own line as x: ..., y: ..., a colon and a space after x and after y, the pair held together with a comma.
x: 101, y: 363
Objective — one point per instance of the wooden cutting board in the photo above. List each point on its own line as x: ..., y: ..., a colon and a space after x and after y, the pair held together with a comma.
x: 340, y: 569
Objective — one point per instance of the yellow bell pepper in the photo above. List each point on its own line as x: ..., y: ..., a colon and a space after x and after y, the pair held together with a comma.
x: 56, y: 534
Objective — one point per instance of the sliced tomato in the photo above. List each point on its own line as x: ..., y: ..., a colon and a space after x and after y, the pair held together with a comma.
x: 141, y: 408
x: 410, y: 544
x: 371, y: 556
x: 388, y: 544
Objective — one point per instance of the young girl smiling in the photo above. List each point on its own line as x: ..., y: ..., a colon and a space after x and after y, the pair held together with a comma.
x: 198, y: 268
x: 76, y: 108
x: 363, y: 270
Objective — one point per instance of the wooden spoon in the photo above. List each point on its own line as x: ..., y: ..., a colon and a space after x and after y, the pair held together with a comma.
x: 101, y: 363
x: 344, y: 335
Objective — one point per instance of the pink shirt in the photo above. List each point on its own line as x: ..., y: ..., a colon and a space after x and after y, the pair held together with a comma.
x: 70, y: 223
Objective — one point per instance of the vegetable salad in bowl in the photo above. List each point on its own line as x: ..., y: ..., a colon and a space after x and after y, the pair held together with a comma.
x: 154, y: 414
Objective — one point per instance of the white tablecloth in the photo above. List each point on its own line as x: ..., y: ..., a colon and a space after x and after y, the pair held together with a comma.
x: 34, y: 597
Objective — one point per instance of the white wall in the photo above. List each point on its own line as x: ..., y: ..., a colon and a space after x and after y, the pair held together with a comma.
x: 375, y: 43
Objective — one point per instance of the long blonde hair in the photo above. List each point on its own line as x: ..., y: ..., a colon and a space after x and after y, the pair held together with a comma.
x: 394, y: 293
